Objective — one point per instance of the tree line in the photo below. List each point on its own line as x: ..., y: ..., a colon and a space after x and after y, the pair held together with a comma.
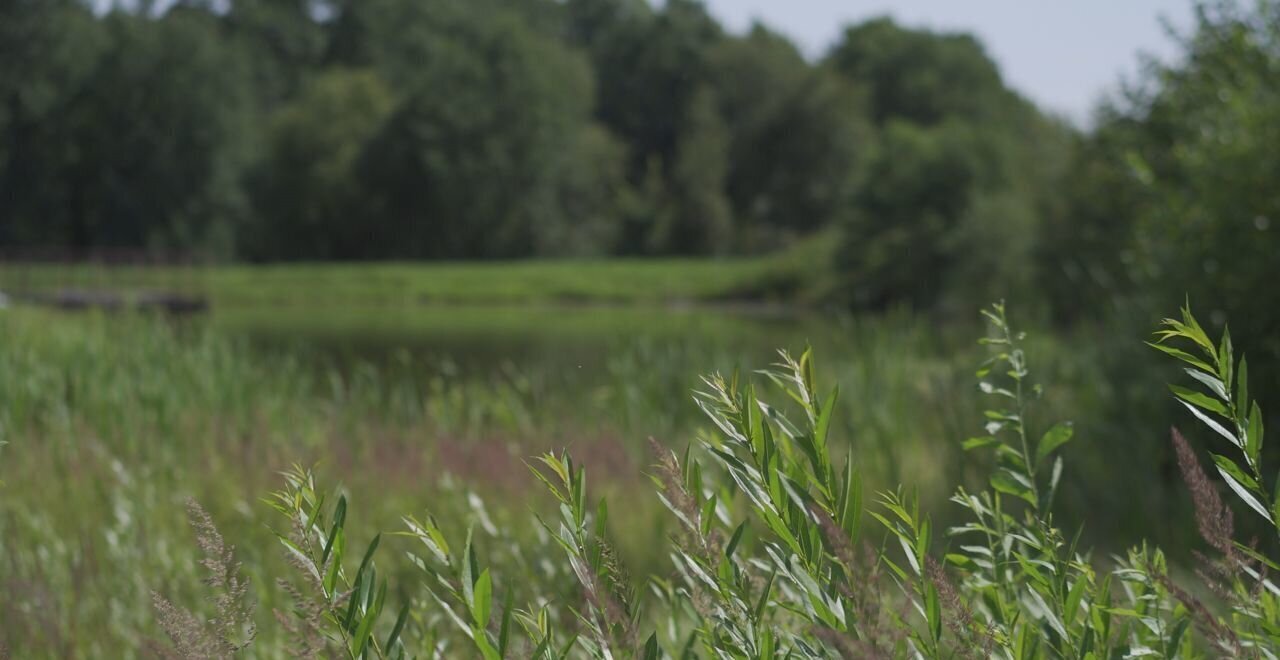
x: 352, y: 129
x: 267, y: 130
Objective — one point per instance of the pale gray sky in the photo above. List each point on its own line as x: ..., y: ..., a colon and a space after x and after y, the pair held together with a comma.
x: 1062, y: 54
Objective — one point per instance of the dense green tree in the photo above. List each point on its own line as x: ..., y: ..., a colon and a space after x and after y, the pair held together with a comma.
x: 919, y: 75
x: 965, y: 175
x: 283, y: 39
x: 47, y: 51
x: 470, y: 163
x: 1176, y: 193
x: 593, y: 197
x: 307, y: 199
x: 798, y: 137
x: 693, y: 214
x: 653, y: 80
x: 897, y: 238
x: 648, y: 69
x: 140, y: 149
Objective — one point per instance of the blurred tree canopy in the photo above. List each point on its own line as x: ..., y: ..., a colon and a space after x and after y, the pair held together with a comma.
x: 1176, y: 192
x: 453, y: 129
x: 447, y: 129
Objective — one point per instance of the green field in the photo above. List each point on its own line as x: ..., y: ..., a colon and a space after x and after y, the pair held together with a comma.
x: 564, y: 281
x: 113, y: 420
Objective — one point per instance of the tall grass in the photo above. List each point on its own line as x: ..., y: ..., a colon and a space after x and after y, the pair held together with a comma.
x: 771, y: 556
x: 113, y: 422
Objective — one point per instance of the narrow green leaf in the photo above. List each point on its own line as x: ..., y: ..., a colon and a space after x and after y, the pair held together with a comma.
x: 763, y: 600
x: 466, y: 573
x: 1243, y: 492
x: 1072, y: 601
x: 1055, y: 437
x: 1201, y: 400
x: 1225, y: 360
x: 1242, y: 385
x: 482, y: 644
x: 361, y: 636
x: 557, y: 466
x: 1253, y: 435
x: 1228, y: 466
x: 335, y: 566
x: 368, y: 554
x: 933, y: 611
x: 922, y: 542
x: 398, y: 628
x: 1213, y: 383
x: 851, y: 514
x: 339, y: 519
x: 1184, y: 356
x: 602, y: 517
x: 980, y: 441
x: 504, y: 631
x: 733, y: 541
x: 480, y: 608
x: 1211, y: 423
x: 708, y: 515
x: 1006, y: 482
x: 1192, y: 330
x: 651, y: 651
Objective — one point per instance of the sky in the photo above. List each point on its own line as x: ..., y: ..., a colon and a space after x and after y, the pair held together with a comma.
x: 1062, y: 54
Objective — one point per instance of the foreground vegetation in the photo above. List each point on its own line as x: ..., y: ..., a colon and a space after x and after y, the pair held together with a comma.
x: 766, y: 552
x: 113, y: 423
x: 114, y: 420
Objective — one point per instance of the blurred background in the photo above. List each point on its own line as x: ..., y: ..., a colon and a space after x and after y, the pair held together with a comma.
x: 416, y: 241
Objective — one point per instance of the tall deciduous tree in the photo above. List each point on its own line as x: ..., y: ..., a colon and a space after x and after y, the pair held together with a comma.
x: 307, y: 198
x: 469, y: 163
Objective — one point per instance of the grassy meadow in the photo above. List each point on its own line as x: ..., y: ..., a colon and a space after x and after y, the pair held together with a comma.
x: 608, y: 330
x: 630, y: 281
x: 113, y: 420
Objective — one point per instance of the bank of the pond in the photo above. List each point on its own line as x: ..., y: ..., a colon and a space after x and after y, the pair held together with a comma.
x: 793, y: 276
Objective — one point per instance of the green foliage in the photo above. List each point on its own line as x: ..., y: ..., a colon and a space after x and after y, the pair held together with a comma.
x: 810, y: 121
x: 470, y: 162
x: 344, y: 609
x: 771, y: 557
x: 896, y: 242
x: 441, y: 129
x: 785, y: 537
x: 765, y: 558
x: 919, y: 76
x: 1173, y: 194
x: 306, y: 184
x: 962, y: 175
x: 135, y: 139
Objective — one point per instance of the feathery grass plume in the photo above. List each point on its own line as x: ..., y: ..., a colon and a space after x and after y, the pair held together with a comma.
x: 1240, y: 576
x: 672, y: 490
x: 1221, y: 636
x: 1213, y: 518
x: 878, y: 636
x: 305, y: 624
x: 961, y: 623
x: 232, y: 628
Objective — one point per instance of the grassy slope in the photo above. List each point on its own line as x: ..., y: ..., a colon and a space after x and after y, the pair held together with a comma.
x: 785, y: 275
